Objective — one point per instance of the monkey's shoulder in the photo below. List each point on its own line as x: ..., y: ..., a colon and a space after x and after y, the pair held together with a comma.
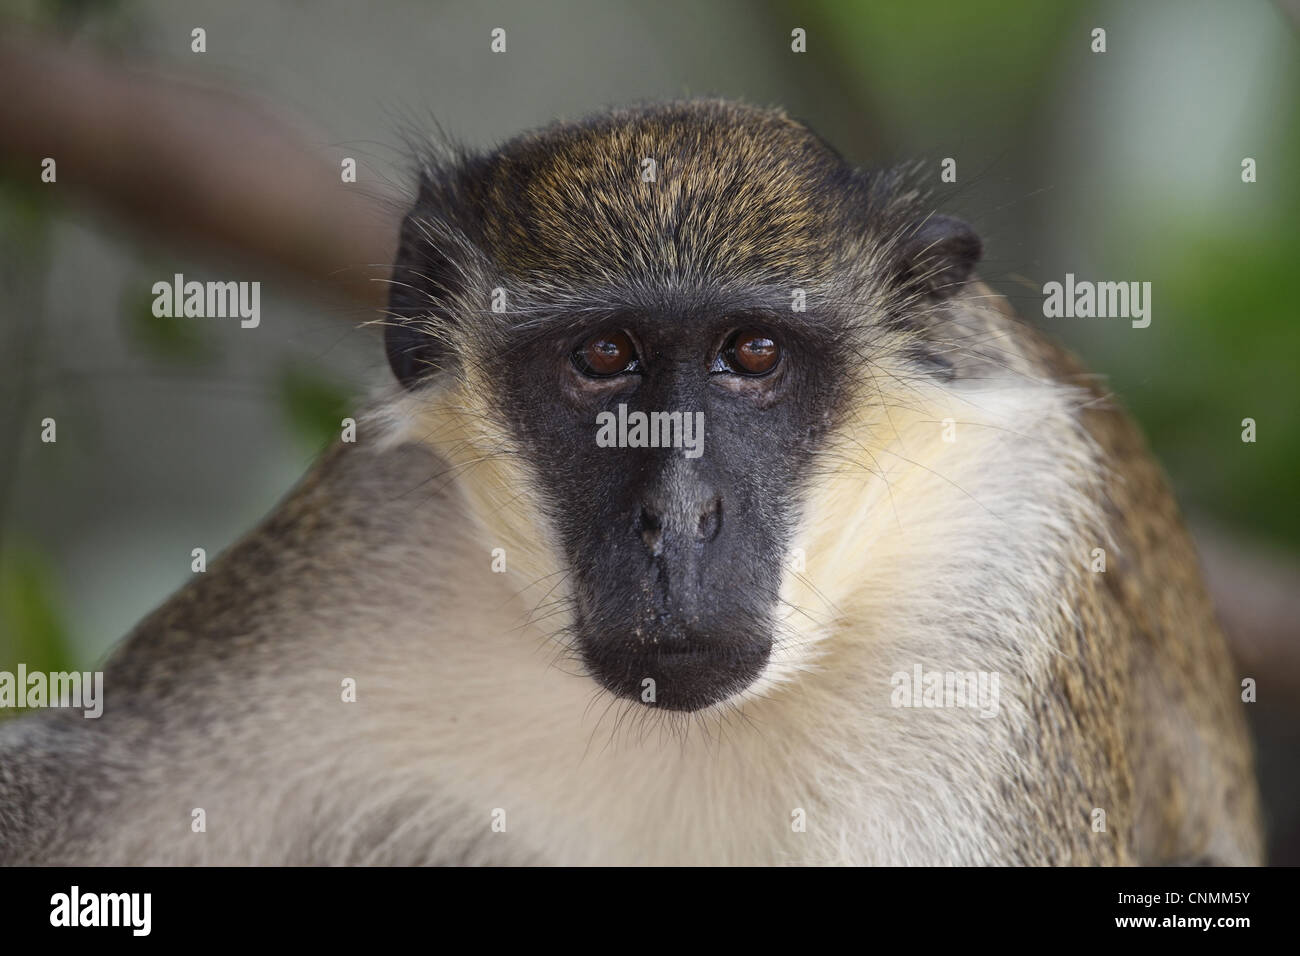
x: 365, y: 530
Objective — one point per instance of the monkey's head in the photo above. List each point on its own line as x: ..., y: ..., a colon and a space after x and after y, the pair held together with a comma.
x: 568, y: 305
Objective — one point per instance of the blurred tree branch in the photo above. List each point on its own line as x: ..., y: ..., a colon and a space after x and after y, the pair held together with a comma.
x: 208, y: 167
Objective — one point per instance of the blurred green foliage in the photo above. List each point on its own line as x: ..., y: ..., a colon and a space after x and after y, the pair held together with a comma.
x: 164, y: 338
x: 916, y: 61
x: 313, y: 404
x: 1239, y: 343
x: 1225, y: 347
x: 32, y: 628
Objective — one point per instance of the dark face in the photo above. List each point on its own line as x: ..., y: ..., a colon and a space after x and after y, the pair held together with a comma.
x: 675, y: 553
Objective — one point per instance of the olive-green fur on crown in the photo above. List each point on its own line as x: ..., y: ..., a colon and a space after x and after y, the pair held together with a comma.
x: 738, y: 191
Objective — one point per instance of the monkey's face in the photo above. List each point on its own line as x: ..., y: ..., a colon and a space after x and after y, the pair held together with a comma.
x: 641, y: 345
x: 669, y: 444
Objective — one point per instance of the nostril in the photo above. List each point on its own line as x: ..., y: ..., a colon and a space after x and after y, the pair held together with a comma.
x: 710, y: 522
x: 650, y: 521
x: 651, y: 528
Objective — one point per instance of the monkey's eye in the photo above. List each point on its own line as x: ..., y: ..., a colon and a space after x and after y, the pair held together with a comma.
x: 748, y: 352
x: 606, y: 354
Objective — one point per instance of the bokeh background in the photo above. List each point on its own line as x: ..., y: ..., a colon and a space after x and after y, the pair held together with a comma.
x: 176, y: 433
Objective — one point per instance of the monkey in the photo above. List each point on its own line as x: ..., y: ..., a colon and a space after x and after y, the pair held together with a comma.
x: 477, y: 636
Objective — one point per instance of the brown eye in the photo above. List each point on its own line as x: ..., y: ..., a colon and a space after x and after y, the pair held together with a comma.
x: 606, y: 354
x: 752, y: 353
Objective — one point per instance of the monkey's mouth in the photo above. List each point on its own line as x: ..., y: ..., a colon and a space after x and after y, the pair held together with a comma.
x: 671, y: 668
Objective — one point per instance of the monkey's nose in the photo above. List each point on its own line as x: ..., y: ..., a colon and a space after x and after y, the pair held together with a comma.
x: 700, y: 524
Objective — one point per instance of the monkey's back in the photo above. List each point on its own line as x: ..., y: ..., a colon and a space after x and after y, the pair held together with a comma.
x: 1146, y: 671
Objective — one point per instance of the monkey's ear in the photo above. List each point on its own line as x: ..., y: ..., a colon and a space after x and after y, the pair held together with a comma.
x: 937, y: 255
x: 420, y: 278
x: 410, y: 355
